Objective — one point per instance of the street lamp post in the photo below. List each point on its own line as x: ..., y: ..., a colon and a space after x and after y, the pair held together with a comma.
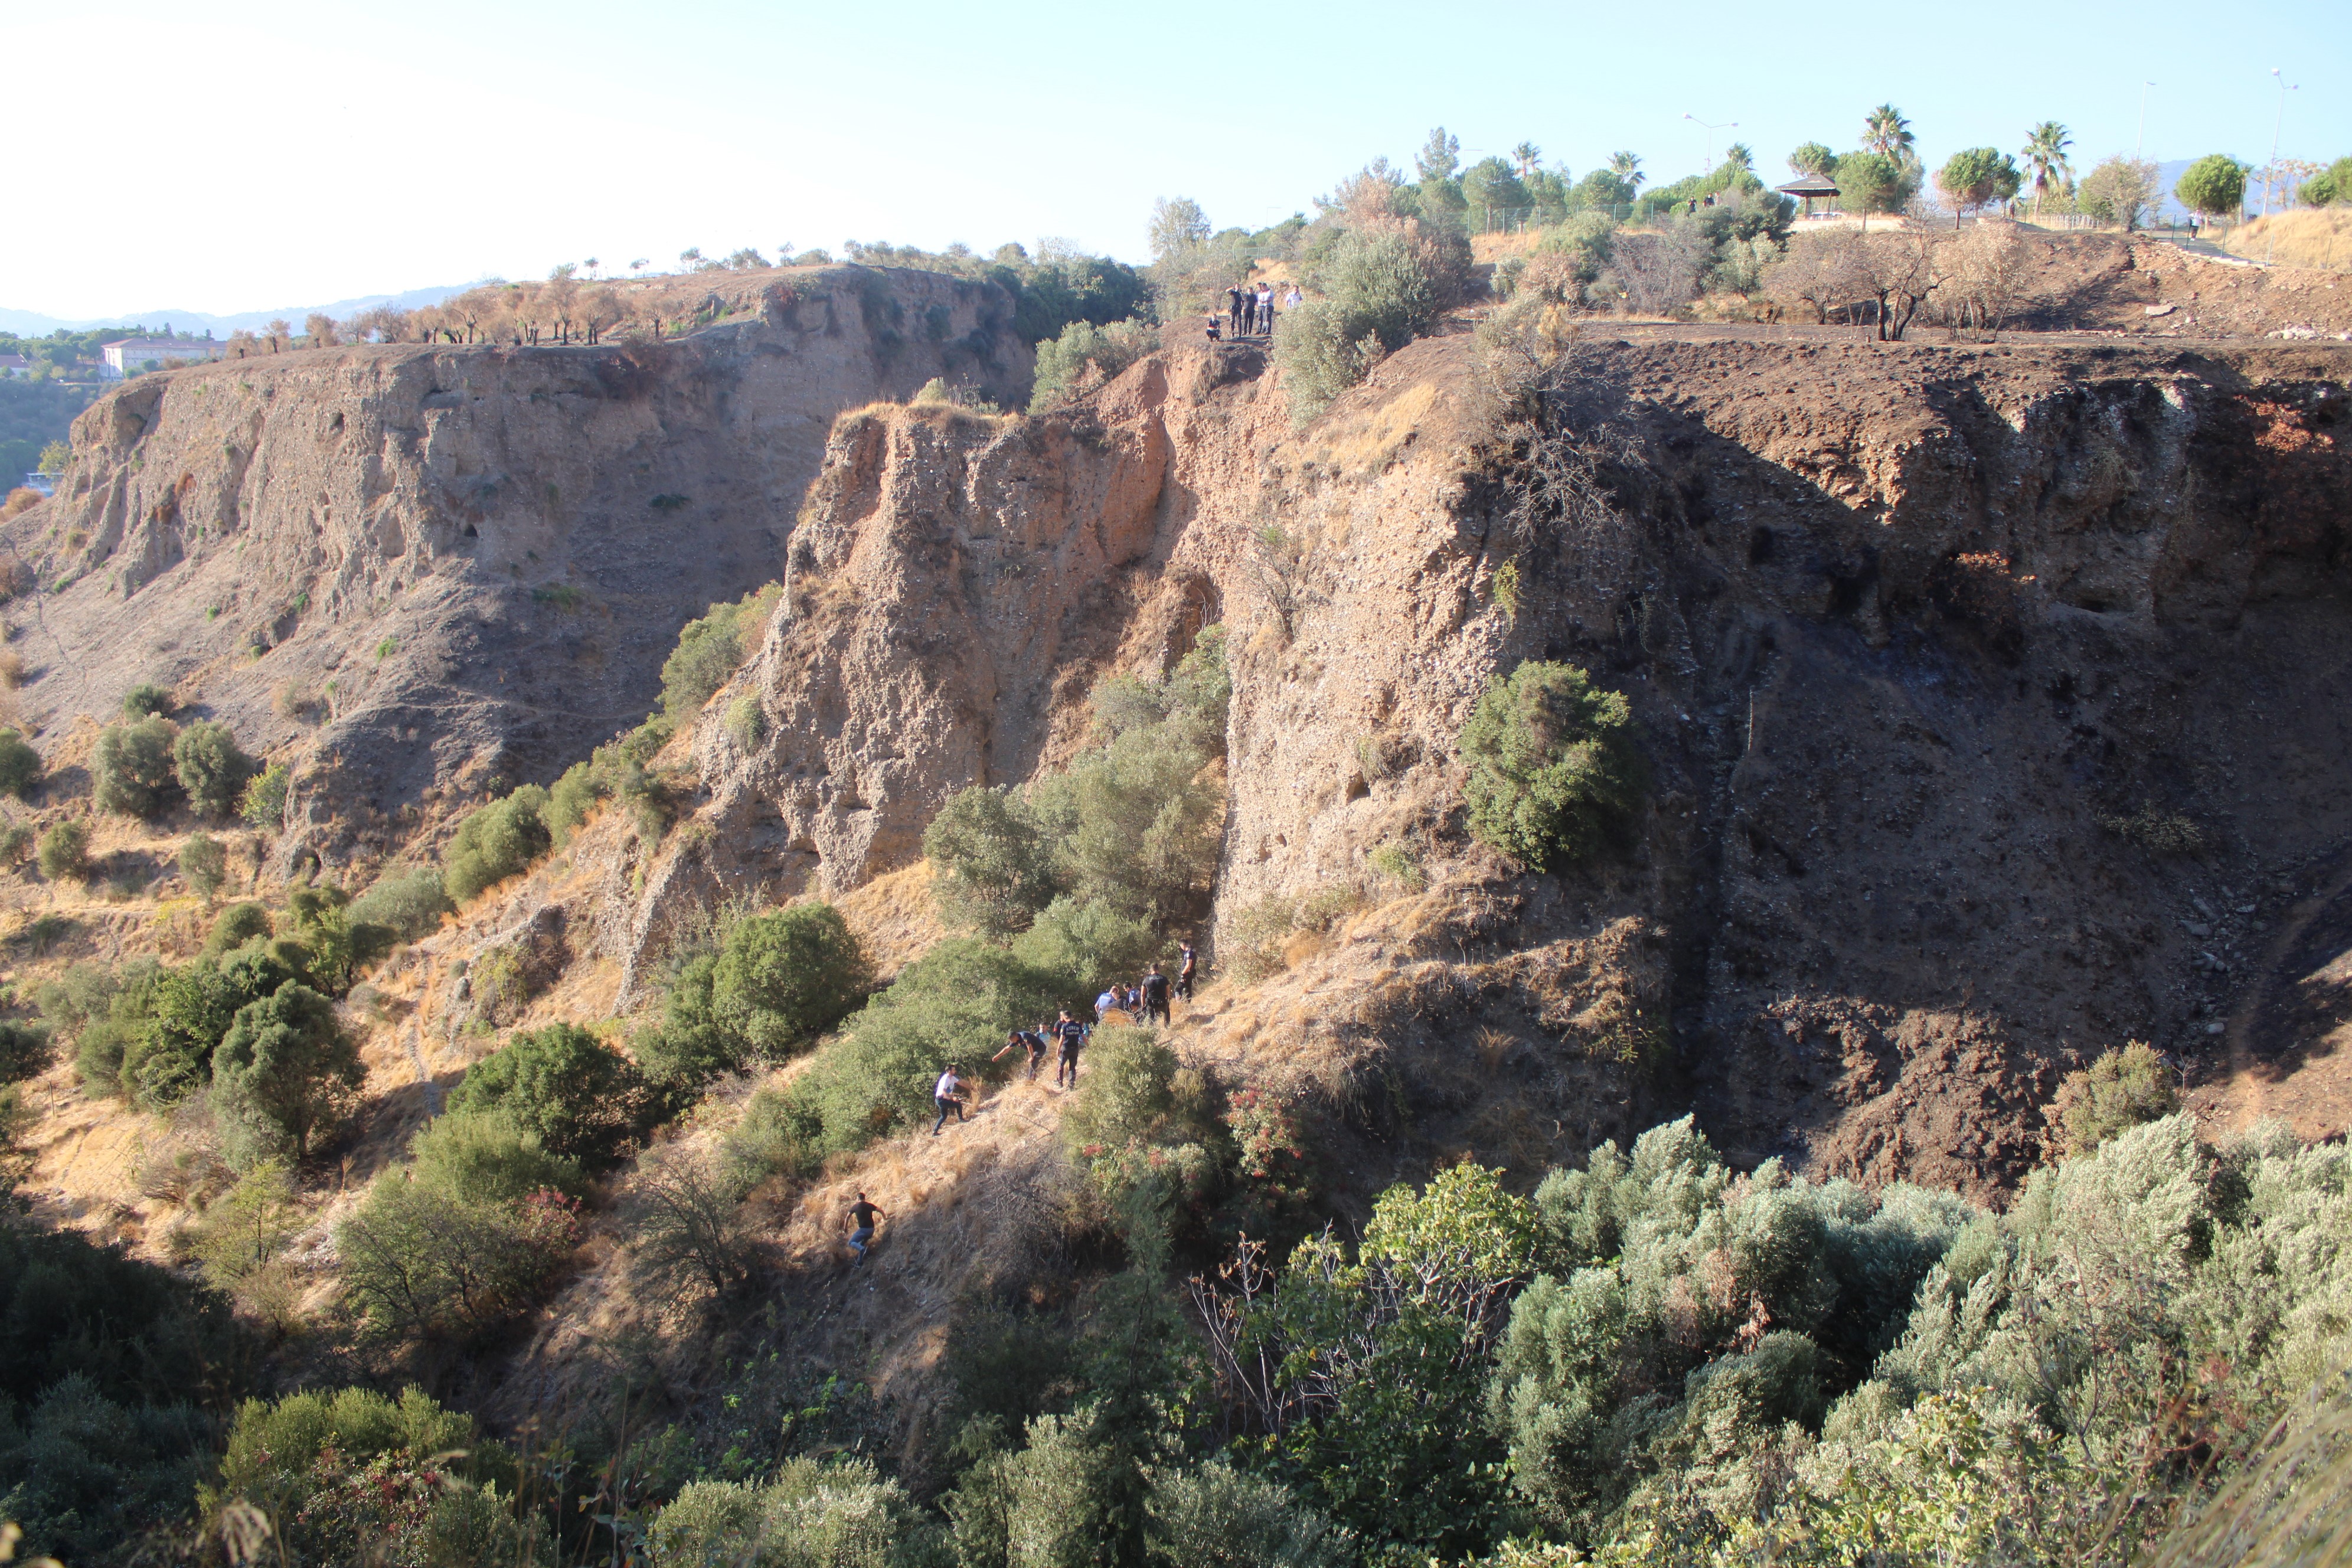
x: 1711, y: 130
x: 2277, y: 125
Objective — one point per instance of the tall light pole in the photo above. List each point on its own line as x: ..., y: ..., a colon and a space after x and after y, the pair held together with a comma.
x: 2278, y: 124
x: 1711, y: 130
x: 2139, y: 147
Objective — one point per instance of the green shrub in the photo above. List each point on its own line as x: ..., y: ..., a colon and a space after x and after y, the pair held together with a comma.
x: 784, y: 978
x: 133, y: 767
x: 1062, y: 362
x: 495, y: 842
x: 2115, y: 1093
x: 746, y: 723
x: 25, y: 1051
x: 275, y: 1447
x: 105, y: 1010
x: 1382, y: 288
x: 65, y: 852
x: 16, y: 841
x: 237, y: 925
x: 405, y: 904
x: 210, y: 767
x: 1553, y: 772
x: 485, y: 1156
x: 991, y: 871
x: 1126, y: 1095
x: 419, y: 1260
x: 203, y: 863
x: 1135, y: 824
x: 1217, y: 1517
x: 263, y: 804
x: 775, y: 1136
x: 957, y: 1003
x: 148, y: 701
x: 615, y: 770
x: 2215, y: 186
x: 690, y: 1046
x: 245, y: 1230
x: 708, y: 649
x: 191, y: 1010
x: 1092, y: 943
x: 578, y: 1096
x: 285, y: 1063
x: 1063, y: 1501
x: 20, y: 765
x: 836, y: 1513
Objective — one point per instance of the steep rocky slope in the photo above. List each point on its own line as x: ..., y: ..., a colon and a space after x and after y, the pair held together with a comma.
x: 1938, y: 652
x: 422, y: 570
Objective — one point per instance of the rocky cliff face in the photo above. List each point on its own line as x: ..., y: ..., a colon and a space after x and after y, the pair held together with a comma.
x: 1935, y: 650
x: 425, y: 571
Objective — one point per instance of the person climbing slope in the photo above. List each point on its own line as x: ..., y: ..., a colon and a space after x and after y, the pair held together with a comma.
x: 948, y: 1095
x: 1073, y: 1035
x: 862, y: 1215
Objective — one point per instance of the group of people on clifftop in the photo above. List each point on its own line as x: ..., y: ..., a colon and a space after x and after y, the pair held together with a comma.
x: 1145, y: 1002
x: 1249, y: 312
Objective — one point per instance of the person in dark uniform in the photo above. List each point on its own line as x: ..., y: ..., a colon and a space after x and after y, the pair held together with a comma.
x: 1234, y: 307
x: 1073, y: 1035
x: 1155, y: 996
x: 1187, y: 962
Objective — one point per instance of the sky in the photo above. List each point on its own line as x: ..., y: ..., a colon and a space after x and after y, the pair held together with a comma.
x: 245, y: 154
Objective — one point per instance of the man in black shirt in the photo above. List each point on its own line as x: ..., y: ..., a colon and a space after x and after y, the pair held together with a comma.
x: 1187, y: 960
x: 1155, y: 996
x: 1073, y: 1035
x: 862, y: 1215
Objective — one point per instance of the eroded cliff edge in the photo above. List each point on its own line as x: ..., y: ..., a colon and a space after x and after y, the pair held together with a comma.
x: 428, y: 571
x: 1915, y: 636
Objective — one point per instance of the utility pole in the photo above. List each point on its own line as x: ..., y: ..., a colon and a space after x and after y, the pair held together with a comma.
x: 1711, y: 130
x: 2277, y: 125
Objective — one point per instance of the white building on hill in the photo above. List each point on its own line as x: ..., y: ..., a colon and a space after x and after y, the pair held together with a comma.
x: 125, y: 355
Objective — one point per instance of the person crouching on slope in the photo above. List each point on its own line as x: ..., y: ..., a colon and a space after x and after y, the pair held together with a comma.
x: 862, y: 1215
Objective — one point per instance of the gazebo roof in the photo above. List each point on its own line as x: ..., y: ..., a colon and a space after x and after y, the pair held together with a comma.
x: 1810, y: 185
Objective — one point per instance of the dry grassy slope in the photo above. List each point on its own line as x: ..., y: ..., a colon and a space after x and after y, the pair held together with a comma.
x: 473, y: 559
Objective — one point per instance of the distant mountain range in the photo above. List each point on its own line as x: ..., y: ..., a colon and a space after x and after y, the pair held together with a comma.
x: 31, y: 324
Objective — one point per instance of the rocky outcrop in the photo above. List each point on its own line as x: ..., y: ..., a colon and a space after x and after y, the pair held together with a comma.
x: 425, y: 571
x: 1922, y: 639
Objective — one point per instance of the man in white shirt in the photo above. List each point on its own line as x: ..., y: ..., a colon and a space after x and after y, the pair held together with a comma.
x: 948, y: 1095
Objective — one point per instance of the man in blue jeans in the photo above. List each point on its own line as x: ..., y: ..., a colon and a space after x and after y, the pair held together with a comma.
x: 862, y: 1215
x: 948, y: 1095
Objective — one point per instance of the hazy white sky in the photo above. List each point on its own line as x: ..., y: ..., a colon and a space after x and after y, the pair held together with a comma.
x: 252, y: 153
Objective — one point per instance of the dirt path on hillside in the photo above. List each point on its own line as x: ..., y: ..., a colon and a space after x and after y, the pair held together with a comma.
x: 2290, y: 1039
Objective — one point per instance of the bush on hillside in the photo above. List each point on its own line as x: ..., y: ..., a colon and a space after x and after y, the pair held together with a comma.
x: 419, y: 1260
x: 203, y: 863
x: 285, y: 1068
x: 148, y: 700
x: 495, y: 842
x: 192, y: 1009
x: 708, y: 649
x: 133, y: 767
x: 1216, y: 1516
x: 686, y: 1222
x: 1063, y: 362
x: 263, y: 804
x: 485, y: 1156
x: 1553, y: 772
x: 613, y: 772
x: 1093, y: 943
x: 2113, y: 1094
x: 580, y: 1096
x: 235, y: 926
x: 991, y: 870
x: 957, y: 1003
x: 211, y: 769
x: 405, y: 904
x: 840, y: 1513
x: 783, y: 979
x: 25, y: 1051
x: 64, y: 852
x: 20, y: 765
x: 690, y: 1046
x: 87, y: 1475
x: 1381, y: 287
x: 1126, y: 1095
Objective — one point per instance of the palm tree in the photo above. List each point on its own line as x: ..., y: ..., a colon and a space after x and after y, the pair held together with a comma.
x: 2045, y: 154
x: 1526, y: 155
x: 1888, y: 133
x: 1628, y: 168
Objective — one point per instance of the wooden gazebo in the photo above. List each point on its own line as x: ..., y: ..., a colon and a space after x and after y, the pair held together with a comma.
x: 1809, y: 187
